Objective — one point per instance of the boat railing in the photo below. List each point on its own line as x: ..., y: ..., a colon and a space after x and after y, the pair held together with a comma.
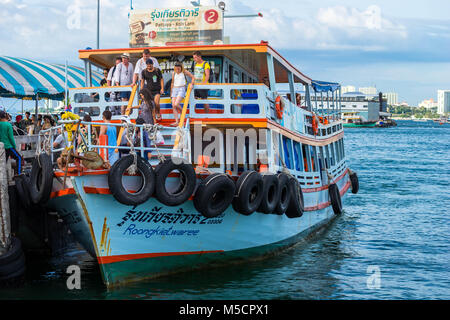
x: 157, y: 149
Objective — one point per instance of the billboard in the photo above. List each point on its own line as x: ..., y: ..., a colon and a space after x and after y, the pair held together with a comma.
x: 176, y: 26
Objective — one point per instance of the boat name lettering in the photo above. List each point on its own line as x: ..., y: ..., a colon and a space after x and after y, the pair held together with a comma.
x: 155, y: 216
x: 158, y: 231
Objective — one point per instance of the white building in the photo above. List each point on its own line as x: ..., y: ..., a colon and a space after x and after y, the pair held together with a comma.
x: 391, y: 97
x: 443, y: 101
x: 428, y: 104
x: 345, y: 89
x: 368, y: 90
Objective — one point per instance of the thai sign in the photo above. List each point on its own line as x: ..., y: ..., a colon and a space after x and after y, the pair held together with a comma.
x: 176, y: 26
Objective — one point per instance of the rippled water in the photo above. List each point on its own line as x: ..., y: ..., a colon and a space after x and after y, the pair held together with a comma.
x: 397, y: 227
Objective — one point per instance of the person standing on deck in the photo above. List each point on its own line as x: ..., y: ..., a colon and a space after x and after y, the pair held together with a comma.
x: 202, y: 72
x: 124, y: 77
x: 141, y: 65
x: 178, y: 89
x: 111, y: 132
x: 7, y: 137
x: 152, y: 79
x: 147, y: 107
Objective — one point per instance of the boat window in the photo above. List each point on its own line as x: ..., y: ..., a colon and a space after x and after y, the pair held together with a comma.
x: 298, y: 156
x: 328, y: 130
x: 287, y: 147
x: 313, y: 158
x: 210, y: 108
x: 207, y: 94
x: 236, y: 77
x: 306, y: 158
x: 82, y: 111
x: 332, y: 155
x: 327, y: 157
x: 244, y: 94
x: 86, y: 97
x: 245, y: 108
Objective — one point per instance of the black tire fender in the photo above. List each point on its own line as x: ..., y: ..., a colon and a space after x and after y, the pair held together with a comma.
x: 354, y: 182
x: 41, y: 180
x: 15, y: 250
x: 271, y: 194
x: 249, y: 192
x: 214, y: 195
x: 285, y: 194
x: 22, y: 185
x: 335, y: 198
x: 116, y: 185
x: 188, y: 182
x: 297, y: 203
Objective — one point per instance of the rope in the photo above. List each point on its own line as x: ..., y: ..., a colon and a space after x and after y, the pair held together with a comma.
x: 152, y: 130
x: 129, y: 135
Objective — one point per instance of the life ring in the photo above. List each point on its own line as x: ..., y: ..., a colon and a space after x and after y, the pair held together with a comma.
x: 296, y: 205
x: 117, y: 188
x: 354, y: 182
x: 183, y: 191
x: 315, y: 125
x: 271, y: 194
x: 41, y: 181
x: 214, y: 195
x: 285, y: 194
x: 335, y: 198
x: 279, y: 107
x: 249, y: 192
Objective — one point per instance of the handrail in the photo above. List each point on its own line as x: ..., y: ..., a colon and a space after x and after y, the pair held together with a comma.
x: 183, y: 115
x: 127, y: 113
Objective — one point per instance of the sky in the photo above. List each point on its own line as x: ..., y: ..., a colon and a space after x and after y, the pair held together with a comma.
x: 396, y: 45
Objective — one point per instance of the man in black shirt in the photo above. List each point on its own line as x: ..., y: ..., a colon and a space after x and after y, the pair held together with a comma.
x: 153, y: 80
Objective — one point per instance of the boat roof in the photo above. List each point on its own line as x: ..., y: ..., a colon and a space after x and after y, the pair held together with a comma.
x: 251, y: 57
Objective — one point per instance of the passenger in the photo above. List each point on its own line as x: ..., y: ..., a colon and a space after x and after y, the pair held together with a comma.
x: 25, y: 122
x: 147, y: 107
x: 123, y: 139
x: 6, y: 136
x: 146, y: 140
x: 114, y: 96
x: 61, y: 140
x: 178, y: 89
x: 47, y: 123
x: 124, y: 77
x: 82, y: 147
x: 141, y: 65
x: 202, y: 71
x: 111, y: 132
x: 152, y: 79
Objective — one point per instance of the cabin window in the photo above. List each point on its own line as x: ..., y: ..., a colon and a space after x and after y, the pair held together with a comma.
x: 298, y: 156
x: 306, y: 158
x: 327, y: 157
x: 313, y: 158
x: 209, y: 108
x: 245, y: 108
x: 287, y: 147
x: 328, y: 130
x: 244, y: 94
x: 207, y: 94
x: 82, y: 111
x: 86, y: 97
x: 332, y: 155
x: 236, y: 76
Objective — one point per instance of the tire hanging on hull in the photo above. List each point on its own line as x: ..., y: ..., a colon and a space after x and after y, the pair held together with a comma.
x: 284, y: 194
x: 296, y: 204
x: 271, y: 194
x: 249, y: 193
x: 335, y: 198
x: 214, y: 195
x: 41, y: 180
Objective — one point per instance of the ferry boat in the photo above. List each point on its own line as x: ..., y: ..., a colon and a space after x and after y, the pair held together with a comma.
x: 246, y: 174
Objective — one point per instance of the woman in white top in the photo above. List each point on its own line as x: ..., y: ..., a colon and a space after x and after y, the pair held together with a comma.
x: 178, y: 89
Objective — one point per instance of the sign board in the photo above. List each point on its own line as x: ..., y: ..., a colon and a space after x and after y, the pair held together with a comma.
x: 176, y: 26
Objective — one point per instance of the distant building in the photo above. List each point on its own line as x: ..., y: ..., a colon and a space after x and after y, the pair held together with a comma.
x: 368, y: 90
x: 428, y: 104
x: 391, y: 97
x: 345, y: 89
x: 443, y: 101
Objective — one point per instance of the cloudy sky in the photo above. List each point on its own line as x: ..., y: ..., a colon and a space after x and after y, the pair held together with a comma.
x: 395, y: 45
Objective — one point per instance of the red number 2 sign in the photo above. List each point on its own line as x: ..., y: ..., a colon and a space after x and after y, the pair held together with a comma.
x: 211, y: 16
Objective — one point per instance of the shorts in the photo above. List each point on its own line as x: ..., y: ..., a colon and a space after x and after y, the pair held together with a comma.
x: 125, y: 95
x: 201, y: 93
x: 154, y: 93
x: 178, y: 92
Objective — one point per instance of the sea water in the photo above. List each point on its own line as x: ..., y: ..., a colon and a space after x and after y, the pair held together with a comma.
x: 391, y: 242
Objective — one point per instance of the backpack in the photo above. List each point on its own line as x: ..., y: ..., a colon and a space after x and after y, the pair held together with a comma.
x: 211, y: 74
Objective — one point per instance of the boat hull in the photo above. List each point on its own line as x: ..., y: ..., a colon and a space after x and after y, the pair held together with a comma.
x: 150, y: 240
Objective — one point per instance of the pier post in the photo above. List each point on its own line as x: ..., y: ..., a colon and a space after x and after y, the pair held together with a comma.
x: 5, y: 219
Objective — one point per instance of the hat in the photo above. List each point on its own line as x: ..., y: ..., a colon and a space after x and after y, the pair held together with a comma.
x: 126, y: 119
x: 125, y: 55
